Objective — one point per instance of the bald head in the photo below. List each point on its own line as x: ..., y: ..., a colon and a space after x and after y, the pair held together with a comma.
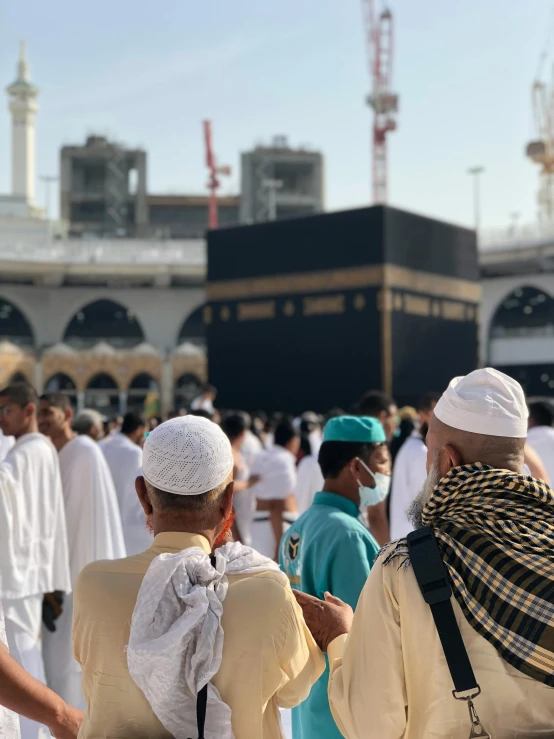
x: 452, y: 448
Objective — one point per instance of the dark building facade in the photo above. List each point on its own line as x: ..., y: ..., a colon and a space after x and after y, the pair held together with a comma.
x: 187, y: 216
x: 311, y: 312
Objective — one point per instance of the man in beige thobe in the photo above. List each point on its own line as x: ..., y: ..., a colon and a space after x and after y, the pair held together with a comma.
x: 389, y: 678
x: 143, y: 632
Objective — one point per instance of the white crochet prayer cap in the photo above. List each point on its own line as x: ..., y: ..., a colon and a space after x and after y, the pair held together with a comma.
x: 485, y: 402
x: 188, y: 455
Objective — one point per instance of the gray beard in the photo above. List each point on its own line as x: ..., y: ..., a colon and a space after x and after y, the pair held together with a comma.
x: 415, y: 510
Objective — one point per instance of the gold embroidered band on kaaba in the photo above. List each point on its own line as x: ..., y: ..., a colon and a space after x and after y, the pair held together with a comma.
x: 350, y: 278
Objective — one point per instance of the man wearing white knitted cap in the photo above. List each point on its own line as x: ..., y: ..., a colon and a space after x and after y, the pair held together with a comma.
x: 190, y: 629
x: 490, y: 528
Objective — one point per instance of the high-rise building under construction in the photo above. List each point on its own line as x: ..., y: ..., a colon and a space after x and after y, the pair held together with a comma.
x: 103, y: 189
x: 278, y: 182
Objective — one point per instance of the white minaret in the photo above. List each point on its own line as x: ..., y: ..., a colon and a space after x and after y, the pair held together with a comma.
x: 23, y: 106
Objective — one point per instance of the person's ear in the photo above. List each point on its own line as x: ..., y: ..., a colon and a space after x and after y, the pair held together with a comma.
x: 449, y: 457
x: 30, y: 410
x: 140, y: 487
x: 69, y: 415
x: 227, y: 501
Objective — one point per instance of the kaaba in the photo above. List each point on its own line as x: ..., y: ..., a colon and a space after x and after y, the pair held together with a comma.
x: 310, y: 312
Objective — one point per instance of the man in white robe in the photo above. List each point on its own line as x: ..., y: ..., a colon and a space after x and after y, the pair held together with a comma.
x: 93, y: 527
x: 124, y: 457
x: 33, y: 542
x: 410, y: 470
x: 540, y: 435
x: 309, y: 481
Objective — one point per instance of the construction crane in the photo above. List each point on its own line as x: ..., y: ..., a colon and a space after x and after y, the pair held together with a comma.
x: 213, y: 181
x: 541, y: 150
x: 379, y: 40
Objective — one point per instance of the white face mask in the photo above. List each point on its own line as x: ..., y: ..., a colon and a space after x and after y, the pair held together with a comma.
x: 373, y: 496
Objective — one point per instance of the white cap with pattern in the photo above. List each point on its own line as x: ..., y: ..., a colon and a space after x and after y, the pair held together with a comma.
x: 485, y: 402
x: 188, y: 455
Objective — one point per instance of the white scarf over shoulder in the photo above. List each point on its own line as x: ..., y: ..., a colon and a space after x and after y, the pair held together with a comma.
x: 176, y: 638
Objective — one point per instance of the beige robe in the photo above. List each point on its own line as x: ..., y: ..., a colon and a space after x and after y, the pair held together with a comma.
x: 269, y: 657
x: 389, y: 678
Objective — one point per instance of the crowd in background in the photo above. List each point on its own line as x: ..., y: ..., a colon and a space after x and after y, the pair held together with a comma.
x: 283, y: 467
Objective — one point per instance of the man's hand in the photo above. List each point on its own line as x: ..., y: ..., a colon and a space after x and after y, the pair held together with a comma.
x: 327, y: 618
x: 68, y: 721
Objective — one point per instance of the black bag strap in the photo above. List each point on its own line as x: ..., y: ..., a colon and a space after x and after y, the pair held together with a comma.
x: 202, y: 697
x: 201, y: 704
x: 432, y: 578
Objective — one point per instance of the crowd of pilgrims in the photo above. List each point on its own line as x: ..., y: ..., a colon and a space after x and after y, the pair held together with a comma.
x: 317, y: 503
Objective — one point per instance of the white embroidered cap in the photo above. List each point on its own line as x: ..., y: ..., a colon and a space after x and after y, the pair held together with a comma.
x: 485, y: 402
x: 188, y: 455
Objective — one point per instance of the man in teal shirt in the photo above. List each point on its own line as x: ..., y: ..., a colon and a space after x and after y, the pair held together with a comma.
x: 328, y: 548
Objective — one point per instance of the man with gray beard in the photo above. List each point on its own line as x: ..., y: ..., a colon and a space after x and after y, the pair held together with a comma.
x: 494, y: 527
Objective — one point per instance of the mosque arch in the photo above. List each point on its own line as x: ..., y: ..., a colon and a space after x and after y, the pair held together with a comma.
x: 61, y: 383
x: 102, y: 394
x: 143, y: 394
x: 104, y: 320
x: 14, y: 326
x: 193, y: 329
x: 525, y: 311
x: 187, y: 387
x: 18, y: 377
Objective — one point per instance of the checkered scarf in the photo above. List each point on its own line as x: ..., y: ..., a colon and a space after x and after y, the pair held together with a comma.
x: 495, y: 530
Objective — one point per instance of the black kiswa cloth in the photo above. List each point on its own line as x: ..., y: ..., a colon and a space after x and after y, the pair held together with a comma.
x: 495, y: 531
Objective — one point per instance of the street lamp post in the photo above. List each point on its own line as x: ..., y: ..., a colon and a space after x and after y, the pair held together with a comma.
x: 476, y: 173
x: 48, y: 180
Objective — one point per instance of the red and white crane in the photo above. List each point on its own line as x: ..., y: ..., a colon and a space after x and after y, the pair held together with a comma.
x: 379, y: 40
x: 213, y: 181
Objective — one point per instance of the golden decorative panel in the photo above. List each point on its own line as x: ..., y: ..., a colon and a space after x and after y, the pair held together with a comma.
x: 452, y: 311
x: 293, y: 284
x: 181, y: 365
x: 350, y: 278
x: 415, y: 305
x: 81, y: 367
x: 288, y: 309
x: 323, y: 306
x: 258, y: 311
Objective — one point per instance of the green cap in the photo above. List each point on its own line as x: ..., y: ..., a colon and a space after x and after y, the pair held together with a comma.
x: 359, y: 429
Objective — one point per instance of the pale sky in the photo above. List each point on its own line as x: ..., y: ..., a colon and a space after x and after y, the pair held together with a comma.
x: 147, y: 72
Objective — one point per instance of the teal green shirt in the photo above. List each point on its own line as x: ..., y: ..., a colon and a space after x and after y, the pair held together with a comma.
x: 327, y: 548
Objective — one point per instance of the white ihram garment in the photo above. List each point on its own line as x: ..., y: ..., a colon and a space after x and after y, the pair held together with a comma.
x: 94, y: 532
x: 9, y: 722
x: 244, y: 505
x: 277, y: 470
x: 33, y: 548
x: 250, y: 449
x: 124, y: 459
x: 408, y: 478
x: 176, y: 639
x: 6, y: 443
x: 309, y: 481
x: 541, y: 440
